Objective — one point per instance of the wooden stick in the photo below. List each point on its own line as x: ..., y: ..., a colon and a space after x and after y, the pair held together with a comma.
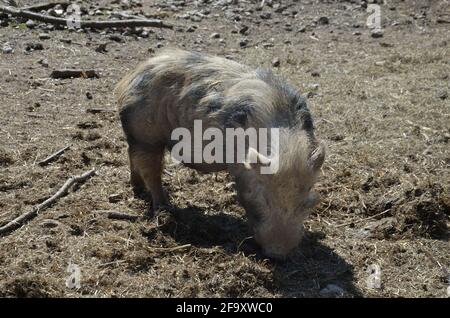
x: 66, y: 73
x: 85, y: 23
x: 117, y: 215
x: 99, y: 110
x: 168, y: 249
x: 20, y: 220
x: 52, y: 157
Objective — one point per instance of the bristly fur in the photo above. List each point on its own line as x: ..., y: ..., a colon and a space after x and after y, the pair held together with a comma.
x: 221, y: 92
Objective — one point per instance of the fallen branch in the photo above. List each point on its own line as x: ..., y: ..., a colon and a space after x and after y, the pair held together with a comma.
x: 168, y: 249
x: 85, y: 23
x: 20, y: 220
x: 52, y: 157
x: 116, y: 215
x: 64, y: 74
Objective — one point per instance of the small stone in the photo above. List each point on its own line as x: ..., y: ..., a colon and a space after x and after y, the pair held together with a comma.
x: 276, y: 62
x: 59, y: 12
x: 315, y: 74
x: 43, y: 62
x: 323, y: 20
x: 196, y: 18
x: 30, y: 24
x: 159, y: 45
x: 115, y: 38
x: 265, y: 15
x: 44, y: 36
x: 314, y: 87
x: 244, y: 29
x: 34, y: 47
x: 215, y: 35
x: 443, y: 95
x: 101, y: 48
x: 243, y: 43
x: 7, y: 49
x: 89, y: 95
x: 376, y: 34
x: 190, y: 29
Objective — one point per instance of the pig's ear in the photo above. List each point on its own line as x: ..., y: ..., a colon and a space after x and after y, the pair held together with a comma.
x: 317, y: 156
x: 253, y: 157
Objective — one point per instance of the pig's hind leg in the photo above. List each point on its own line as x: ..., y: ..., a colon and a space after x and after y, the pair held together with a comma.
x: 146, y: 165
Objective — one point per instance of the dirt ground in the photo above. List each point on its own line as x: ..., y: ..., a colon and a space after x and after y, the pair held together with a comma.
x: 380, y: 103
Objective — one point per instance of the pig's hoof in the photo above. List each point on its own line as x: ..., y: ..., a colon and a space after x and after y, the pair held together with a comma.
x: 162, y: 207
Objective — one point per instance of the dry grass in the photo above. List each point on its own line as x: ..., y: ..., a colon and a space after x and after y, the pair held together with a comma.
x: 385, y: 183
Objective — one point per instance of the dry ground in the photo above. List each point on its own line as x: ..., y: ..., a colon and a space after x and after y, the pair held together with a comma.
x: 381, y: 104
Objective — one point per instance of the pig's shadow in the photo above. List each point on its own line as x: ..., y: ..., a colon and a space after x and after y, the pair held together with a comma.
x: 308, y: 271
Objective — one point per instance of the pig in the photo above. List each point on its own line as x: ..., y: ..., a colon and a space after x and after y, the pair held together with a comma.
x: 177, y: 87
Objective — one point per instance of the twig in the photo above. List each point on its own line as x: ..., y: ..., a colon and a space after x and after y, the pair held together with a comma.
x: 365, y: 219
x: 168, y: 249
x: 117, y: 215
x: 86, y: 23
x: 242, y: 242
x: 20, y: 220
x: 35, y: 115
x: 52, y: 157
x: 63, y: 74
x: 99, y: 110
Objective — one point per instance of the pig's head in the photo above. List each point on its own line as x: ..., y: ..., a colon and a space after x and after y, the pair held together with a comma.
x: 277, y: 204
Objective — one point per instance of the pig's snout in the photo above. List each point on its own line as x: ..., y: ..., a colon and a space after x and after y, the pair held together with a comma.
x: 278, y: 242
